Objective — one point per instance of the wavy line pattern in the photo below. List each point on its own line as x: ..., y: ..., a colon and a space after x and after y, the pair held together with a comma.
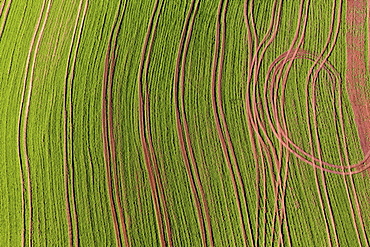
x: 117, y: 210
x: 221, y: 124
x: 237, y: 123
x: 72, y: 221
x: 23, y: 116
x: 156, y: 184
x: 184, y: 136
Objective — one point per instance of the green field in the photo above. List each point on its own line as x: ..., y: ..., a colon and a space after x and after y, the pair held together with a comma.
x: 168, y: 123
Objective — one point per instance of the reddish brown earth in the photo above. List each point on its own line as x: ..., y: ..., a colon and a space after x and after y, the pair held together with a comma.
x: 356, y: 69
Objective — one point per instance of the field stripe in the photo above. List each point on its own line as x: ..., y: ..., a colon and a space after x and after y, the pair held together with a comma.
x: 149, y: 138
x: 220, y: 119
x: 353, y: 188
x: 282, y: 211
x: 111, y: 138
x: 108, y: 132
x: 258, y: 56
x: 157, y: 190
x: 187, y: 152
x: 4, y: 16
x: 252, y: 44
x: 291, y: 146
x: 68, y: 134
x: 105, y: 133
x: 24, y: 112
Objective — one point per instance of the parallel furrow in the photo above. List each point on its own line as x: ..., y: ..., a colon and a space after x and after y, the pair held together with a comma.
x: 220, y: 120
x: 119, y: 221
x: 73, y: 232
x: 187, y: 151
x: 155, y: 180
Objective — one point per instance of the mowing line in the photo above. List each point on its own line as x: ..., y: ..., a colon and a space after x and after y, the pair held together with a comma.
x: 68, y: 137
x: 23, y: 117
x: 181, y: 123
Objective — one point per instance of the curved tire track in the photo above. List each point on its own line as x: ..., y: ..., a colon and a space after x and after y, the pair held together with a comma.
x: 157, y: 190
x: 24, y: 113
x: 73, y: 231
x: 220, y: 119
x: 119, y: 220
x: 187, y: 152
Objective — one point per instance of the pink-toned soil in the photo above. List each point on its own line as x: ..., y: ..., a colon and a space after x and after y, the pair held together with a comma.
x: 356, y: 74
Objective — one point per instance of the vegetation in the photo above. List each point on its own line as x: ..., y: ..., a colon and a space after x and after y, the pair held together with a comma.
x: 184, y: 123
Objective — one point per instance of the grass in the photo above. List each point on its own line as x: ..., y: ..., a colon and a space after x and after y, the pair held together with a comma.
x: 229, y: 186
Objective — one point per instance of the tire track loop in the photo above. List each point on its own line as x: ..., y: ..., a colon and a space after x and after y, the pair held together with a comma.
x: 284, y: 56
x: 300, y: 153
x: 313, y: 105
x: 73, y: 231
x: 198, y: 193
x: 275, y: 132
x: 24, y: 113
x: 117, y: 210
x: 220, y: 119
x: 145, y: 132
x: 331, y: 74
x: 347, y: 161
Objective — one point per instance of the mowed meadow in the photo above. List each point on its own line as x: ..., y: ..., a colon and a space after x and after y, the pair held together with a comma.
x: 184, y: 123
